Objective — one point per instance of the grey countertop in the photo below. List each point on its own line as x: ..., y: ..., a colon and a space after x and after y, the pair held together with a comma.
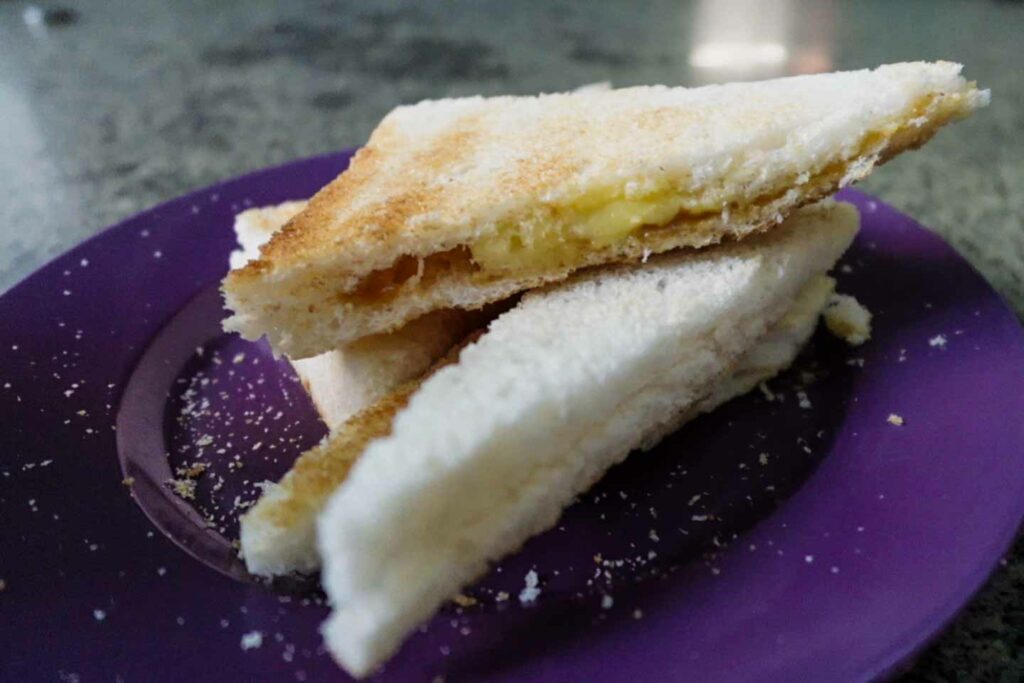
x: 107, y: 108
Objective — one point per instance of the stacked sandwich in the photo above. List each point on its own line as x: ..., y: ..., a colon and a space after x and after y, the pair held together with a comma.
x: 501, y: 298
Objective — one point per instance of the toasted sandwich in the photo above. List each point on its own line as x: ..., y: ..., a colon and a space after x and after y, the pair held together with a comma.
x: 346, y: 380
x: 278, y: 533
x: 490, y: 449
x: 456, y: 203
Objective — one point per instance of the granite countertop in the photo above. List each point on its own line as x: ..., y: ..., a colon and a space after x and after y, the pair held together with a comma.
x: 107, y: 108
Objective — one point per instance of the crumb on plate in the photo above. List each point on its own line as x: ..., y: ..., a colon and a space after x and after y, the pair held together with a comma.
x: 252, y: 640
x: 848, y: 319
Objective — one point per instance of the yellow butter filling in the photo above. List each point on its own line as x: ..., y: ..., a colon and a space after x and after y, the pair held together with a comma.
x: 596, y: 220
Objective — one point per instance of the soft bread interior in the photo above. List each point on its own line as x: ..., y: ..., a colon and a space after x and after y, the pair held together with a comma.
x: 345, y: 381
x: 425, y: 509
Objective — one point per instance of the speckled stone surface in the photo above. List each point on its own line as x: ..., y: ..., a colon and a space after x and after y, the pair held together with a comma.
x: 107, y: 108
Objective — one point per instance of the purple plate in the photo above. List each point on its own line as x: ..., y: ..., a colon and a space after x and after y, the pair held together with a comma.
x: 793, y: 534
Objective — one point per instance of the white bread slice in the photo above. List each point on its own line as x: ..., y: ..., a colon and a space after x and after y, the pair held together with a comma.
x: 344, y: 381
x: 278, y: 534
x: 490, y: 450
x: 454, y: 203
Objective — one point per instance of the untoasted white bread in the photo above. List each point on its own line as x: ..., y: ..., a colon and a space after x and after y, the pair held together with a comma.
x: 490, y: 450
x: 454, y: 203
x: 278, y: 534
x: 773, y: 353
x: 344, y: 381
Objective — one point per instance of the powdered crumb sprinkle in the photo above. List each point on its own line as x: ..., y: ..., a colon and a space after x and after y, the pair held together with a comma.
x: 530, y: 592
x: 252, y: 640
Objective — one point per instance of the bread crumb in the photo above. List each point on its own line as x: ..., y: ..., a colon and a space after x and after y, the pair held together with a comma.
x: 848, y: 319
x: 464, y: 600
x: 128, y: 481
x: 99, y: 615
x: 938, y: 341
x: 607, y: 601
x: 502, y: 596
x: 193, y: 471
x: 184, y: 488
x: 638, y: 614
x: 3, y: 585
x: 895, y: 420
x: 252, y: 640
x: 530, y: 592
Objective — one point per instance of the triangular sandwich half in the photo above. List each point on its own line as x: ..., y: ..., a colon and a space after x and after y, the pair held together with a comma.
x: 489, y: 450
x: 455, y: 203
